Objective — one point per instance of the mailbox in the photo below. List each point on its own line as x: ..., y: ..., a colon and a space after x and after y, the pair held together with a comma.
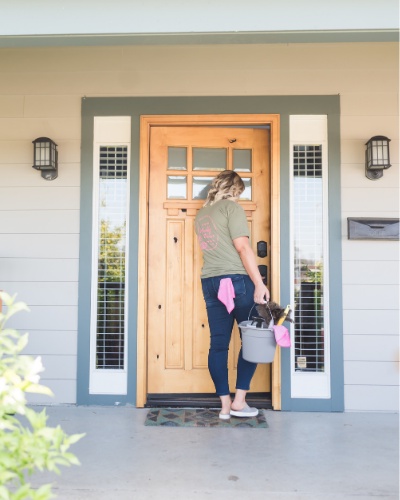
x: 372, y: 228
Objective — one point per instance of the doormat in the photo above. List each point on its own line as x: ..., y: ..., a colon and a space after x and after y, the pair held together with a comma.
x: 171, y: 417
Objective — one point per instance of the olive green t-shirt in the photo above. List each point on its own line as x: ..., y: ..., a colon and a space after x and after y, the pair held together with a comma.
x: 216, y: 226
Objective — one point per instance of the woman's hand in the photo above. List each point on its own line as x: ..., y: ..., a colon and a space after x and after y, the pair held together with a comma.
x: 261, y: 293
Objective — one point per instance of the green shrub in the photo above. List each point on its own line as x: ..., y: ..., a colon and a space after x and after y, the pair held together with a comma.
x: 27, y: 444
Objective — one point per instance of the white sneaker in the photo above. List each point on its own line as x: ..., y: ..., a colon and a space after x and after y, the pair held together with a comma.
x: 246, y: 411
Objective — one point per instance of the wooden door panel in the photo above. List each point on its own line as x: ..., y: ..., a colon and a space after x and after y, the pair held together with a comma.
x: 175, y: 287
x: 178, y: 333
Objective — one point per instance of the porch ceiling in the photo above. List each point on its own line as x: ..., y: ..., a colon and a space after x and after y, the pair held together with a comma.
x: 129, y: 22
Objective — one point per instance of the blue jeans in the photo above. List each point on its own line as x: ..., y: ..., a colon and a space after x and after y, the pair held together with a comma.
x: 221, y: 325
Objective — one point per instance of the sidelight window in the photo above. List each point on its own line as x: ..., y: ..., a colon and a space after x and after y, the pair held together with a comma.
x: 309, y: 220
x: 110, y: 336
x: 110, y: 250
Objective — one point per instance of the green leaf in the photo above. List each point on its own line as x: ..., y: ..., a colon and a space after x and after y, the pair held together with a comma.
x: 43, y: 493
x: 39, y: 389
x: 22, y: 493
x: 22, y: 342
x: 72, y: 459
x: 4, y: 493
x: 75, y: 438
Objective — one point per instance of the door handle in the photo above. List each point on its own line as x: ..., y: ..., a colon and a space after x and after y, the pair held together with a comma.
x: 264, y: 273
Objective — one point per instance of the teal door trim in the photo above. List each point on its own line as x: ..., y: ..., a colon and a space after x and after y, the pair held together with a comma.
x: 282, y: 105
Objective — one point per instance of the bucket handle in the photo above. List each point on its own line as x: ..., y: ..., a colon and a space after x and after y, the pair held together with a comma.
x: 266, y: 303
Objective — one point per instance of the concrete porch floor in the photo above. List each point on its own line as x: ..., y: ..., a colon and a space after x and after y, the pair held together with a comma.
x: 301, y: 456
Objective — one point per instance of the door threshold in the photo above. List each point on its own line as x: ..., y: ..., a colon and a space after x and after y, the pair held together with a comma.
x: 260, y: 400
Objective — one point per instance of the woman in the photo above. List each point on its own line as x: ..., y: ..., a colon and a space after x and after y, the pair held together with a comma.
x: 231, y: 284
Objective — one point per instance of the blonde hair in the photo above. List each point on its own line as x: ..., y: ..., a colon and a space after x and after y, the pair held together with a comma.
x: 227, y: 185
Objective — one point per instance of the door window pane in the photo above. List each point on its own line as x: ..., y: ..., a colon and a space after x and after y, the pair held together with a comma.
x: 247, y: 193
x: 177, y: 187
x: 242, y: 161
x: 201, y: 185
x: 177, y: 158
x: 209, y: 159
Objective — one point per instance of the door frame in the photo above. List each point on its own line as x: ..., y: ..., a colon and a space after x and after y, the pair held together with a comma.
x: 148, y: 121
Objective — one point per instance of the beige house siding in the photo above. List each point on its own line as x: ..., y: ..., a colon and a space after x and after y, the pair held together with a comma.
x: 40, y: 95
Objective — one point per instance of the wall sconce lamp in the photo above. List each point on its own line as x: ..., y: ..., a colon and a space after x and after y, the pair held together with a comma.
x: 45, y: 157
x: 377, y: 157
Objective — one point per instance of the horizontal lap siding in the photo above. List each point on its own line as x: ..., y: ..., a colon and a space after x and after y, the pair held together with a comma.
x: 40, y: 94
x: 370, y: 268
x: 39, y: 233
x: 372, y: 397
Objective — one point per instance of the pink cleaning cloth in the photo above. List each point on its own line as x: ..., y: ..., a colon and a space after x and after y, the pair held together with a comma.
x: 226, y: 294
x: 282, y: 335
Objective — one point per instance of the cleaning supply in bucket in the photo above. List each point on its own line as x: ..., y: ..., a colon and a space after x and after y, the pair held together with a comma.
x: 259, y: 339
x: 281, y: 333
x: 282, y: 336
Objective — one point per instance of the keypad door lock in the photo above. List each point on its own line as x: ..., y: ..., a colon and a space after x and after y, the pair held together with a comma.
x: 262, y: 249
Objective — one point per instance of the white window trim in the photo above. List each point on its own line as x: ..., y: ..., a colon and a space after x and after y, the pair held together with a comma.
x: 309, y: 130
x: 108, y: 131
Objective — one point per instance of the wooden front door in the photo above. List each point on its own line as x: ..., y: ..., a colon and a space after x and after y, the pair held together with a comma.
x: 183, y: 161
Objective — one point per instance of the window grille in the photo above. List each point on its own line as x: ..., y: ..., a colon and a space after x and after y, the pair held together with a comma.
x: 309, y: 348
x: 110, y: 321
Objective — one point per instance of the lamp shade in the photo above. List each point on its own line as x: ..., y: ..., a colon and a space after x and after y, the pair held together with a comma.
x: 45, y: 157
x: 377, y: 154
